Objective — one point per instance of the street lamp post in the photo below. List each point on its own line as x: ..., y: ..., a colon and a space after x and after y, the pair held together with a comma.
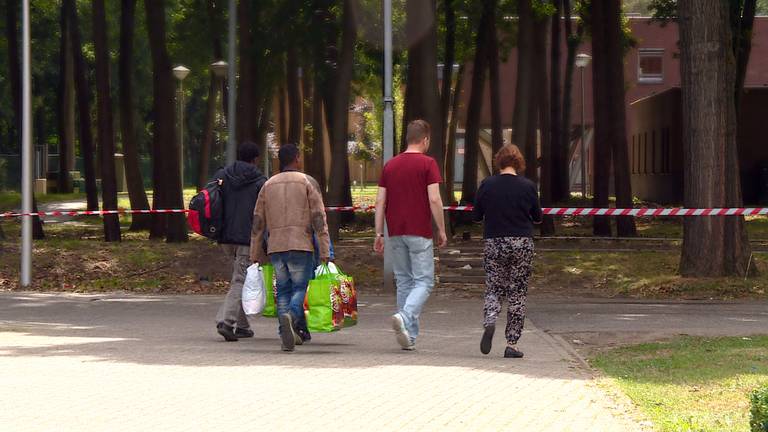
x: 389, y: 131
x: 26, y: 149
x: 180, y: 72
x: 582, y: 60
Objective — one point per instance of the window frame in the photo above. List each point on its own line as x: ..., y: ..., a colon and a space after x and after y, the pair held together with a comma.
x: 646, y: 78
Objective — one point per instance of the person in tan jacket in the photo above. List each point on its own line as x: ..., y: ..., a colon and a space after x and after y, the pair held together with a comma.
x: 290, y: 209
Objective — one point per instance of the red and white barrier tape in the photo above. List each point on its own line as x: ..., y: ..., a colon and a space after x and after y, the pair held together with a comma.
x: 554, y: 211
x: 90, y: 213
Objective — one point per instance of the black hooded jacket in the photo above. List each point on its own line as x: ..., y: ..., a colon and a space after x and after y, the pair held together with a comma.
x: 241, y: 185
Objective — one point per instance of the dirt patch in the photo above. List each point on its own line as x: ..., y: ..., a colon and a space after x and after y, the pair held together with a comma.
x: 76, y: 260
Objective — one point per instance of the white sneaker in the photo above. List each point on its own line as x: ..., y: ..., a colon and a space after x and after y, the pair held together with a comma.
x: 401, y: 334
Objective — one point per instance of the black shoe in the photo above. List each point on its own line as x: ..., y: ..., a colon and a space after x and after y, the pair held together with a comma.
x: 227, y: 331
x: 304, y: 337
x: 512, y: 353
x: 487, y: 340
x: 288, y: 334
x: 243, y: 333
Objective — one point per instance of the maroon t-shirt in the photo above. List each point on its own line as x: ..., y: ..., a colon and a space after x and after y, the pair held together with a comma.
x: 406, y: 178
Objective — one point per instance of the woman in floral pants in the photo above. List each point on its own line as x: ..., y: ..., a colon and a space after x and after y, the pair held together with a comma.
x: 508, y: 204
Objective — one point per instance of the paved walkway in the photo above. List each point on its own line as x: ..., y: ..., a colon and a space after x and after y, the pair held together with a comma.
x: 604, y: 322
x: 155, y: 363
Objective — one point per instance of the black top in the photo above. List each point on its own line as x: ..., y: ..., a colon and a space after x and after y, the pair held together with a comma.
x: 509, y: 205
x: 240, y: 188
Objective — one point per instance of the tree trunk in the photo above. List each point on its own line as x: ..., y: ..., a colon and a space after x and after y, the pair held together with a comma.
x: 206, y: 146
x: 105, y: 125
x: 83, y: 90
x: 247, y: 113
x: 562, y: 192
x: 743, y: 46
x: 207, y: 143
x: 14, y: 65
x: 165, y: 143
x: 524, y: 85
x: 617, y: 126
x: 423, y: 99
x: 339, y: 193
x: 542, y: 94
x: 450, y: 148
x: 474, y: 109
x: 37, y: 224
x: 293, y: 87
x: 602, y: 104
x: 66, y: 108
x: 136, y: 193
x: 497, y: 136
x: 314, y: 154
x: 318, y: 137
x: 450, y: 59
x: 712, y: 246
x: 556, y: 162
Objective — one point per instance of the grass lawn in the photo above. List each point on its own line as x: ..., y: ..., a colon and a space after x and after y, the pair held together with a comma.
x: 690, y: 383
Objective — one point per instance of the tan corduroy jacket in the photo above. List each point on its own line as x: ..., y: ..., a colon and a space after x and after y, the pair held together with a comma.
x: 290, y: 207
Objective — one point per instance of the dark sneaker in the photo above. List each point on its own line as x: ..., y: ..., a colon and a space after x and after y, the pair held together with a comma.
x: 512, y: 353
x: 401, y: 334
x: 487, y: 340
x: 304, y: 337
x: 227, y: 332
x: 243, y: 333
x: 288, y: 334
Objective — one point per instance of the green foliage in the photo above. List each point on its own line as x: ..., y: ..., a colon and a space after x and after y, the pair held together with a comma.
x: 667, y: 9
x: 365, y: 148
x: 542, y: 9
x: 759, y: 410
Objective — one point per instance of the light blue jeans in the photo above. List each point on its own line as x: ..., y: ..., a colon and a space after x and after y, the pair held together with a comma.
x: 413, y: 262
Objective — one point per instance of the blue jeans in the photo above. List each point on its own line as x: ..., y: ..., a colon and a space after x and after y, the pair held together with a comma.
x: 413, y: 262
x: 293, y: 270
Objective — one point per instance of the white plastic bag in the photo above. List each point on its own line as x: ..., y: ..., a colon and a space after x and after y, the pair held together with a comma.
x: 326, y: 269
x: 254, y: 296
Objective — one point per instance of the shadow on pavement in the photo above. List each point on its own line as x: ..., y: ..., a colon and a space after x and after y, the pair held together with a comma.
x: 180, y: 331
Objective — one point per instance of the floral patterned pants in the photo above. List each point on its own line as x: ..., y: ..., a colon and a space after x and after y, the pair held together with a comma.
x: 508, y: 267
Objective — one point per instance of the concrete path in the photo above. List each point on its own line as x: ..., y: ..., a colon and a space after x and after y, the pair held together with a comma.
x: 600, y: 323
x: 120, y: 362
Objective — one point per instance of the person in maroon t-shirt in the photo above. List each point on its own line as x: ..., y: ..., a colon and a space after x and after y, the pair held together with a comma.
x: 409, y: 197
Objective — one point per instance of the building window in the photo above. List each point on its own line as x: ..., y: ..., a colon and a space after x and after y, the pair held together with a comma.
x: 650, y: 65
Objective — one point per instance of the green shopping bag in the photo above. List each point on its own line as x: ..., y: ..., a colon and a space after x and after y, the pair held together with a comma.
x: 323, y: 303
x: 270, y: 284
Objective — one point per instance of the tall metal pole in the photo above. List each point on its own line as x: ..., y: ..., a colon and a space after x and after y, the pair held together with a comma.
x: 181, y: 132
x: 389, y: 131
x: 583, y: 141
x: 232, y: 85
x: 26, y: 151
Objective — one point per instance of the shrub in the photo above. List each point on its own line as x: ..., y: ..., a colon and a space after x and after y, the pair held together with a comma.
x: 759, y: 410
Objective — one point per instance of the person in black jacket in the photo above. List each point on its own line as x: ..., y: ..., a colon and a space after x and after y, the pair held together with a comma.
x: 508, y: 204
x: 241, y: 183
